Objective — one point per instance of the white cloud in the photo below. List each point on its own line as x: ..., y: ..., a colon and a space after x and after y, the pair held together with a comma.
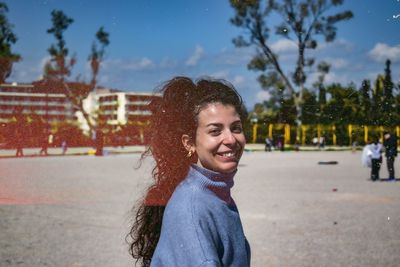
x: 381, y: 52
x: 223, y: 74
x: 44, y: 61
x: 262, y: 96
x: 167, y: 62
x: 104, y: 79
x: 337, y: 63
x: 331, y: 78
x: 341, y: 44
x: 235, y: 56
x: 238, y: 80
x: 372, y: 75
x: 27, y: 70
x: 196, y: 56
x: 145, y: 63
x: 342, y: 76
x: 130, y: 64
x: 284, y: 46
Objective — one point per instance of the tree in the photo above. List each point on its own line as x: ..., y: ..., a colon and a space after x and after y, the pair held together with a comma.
x: 323, y: 69
x: 365, y: 102
x: 388, y: 98
x: 97, y: 54
x: 58, y: 69
x: 377, y: 101
x: 343, y: 105
x: 301, y: 22
x: 7, y: 39
x: 397, y: 108
x: 310, y: 114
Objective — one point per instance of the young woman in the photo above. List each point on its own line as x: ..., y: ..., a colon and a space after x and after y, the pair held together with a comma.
x: 376, y: 149
x: 188, y: 217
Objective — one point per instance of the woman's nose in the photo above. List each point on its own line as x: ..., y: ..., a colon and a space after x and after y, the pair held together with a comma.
x: 229, y: 138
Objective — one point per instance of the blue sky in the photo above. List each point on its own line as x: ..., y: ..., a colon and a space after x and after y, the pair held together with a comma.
x: 154, y: 40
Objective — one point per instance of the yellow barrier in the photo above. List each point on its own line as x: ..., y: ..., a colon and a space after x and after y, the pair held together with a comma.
x: 255, y: 126
x: 351, y: 130
x: 287, y: 134
x: 334, y: 135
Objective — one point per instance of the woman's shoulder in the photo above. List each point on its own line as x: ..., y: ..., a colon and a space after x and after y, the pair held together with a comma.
x: 189, y: 192
x: 191, y: 198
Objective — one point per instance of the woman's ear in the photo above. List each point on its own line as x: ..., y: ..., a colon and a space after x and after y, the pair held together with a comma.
x: 187, y: 143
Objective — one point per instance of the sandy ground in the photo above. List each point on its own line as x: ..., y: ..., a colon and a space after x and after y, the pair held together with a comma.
x: 75, y: 211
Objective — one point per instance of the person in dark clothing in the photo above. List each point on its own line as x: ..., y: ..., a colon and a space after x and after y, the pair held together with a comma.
x: 99, y: 142
x: 44, y: 143
x: 390, y: 144
x: 19, y: 143
x: 268, y: 144
x: 376, y: 158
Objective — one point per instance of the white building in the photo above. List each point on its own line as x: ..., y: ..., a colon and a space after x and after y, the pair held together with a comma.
x: 116, y: 108
x: 48, y: 104
x: 33, y: 101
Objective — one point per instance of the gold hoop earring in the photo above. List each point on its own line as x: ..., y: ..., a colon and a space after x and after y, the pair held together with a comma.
x: 190, y: 153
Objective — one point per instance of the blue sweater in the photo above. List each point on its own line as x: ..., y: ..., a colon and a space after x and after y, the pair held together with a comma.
x: 201, y: 224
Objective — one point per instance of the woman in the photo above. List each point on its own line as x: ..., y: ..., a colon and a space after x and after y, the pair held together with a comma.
x: 188, y: 217
x: 376, y: 149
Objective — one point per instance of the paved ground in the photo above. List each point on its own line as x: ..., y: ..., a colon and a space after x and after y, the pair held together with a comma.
x: 74, y: 211
x: 109, y: 150
x: 71, y: 151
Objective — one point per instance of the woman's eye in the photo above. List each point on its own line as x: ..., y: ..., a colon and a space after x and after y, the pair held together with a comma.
x: 237, y: 129
x: 215, y: 132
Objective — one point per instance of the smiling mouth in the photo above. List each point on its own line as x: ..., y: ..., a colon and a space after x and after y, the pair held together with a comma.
x: 228, y: 154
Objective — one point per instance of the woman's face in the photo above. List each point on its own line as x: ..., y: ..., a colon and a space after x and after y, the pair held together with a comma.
x: 219, y: 138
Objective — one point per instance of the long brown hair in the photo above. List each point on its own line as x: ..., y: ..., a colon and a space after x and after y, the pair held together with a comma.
x: 173, y: 115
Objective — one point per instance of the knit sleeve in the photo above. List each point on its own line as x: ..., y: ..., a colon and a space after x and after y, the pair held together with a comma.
x: 211, y: 263
x: 205, y: 211
x: 182, y: 242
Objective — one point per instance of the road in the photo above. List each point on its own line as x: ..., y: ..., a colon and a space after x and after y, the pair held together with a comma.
x: 75, y: 211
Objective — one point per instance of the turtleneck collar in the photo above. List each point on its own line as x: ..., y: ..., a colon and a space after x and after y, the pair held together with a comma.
x: 219, y: 183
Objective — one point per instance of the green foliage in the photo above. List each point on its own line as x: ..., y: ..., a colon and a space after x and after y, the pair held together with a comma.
x: 97, y: 54
x: 365, y: 103
x: 388, y: 108
x: 339, y: 106
x: 342, y: 108
x: 7, y: 39
x: 377, y: 101
x: 58, y: 68
x: 310, y: 108
x: 61, y: 23
x: 301, y: 22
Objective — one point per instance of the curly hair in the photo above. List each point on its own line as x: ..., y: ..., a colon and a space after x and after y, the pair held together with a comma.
x: 173, y: 114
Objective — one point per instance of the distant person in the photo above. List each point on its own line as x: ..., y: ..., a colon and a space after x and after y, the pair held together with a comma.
x: 390, y: 144
x: 19, y: 143
x: 44, y: 144
x: 321, y: 142
x: 188, y: 217
x: 99, y: 142
x: 51, y: 140
x: 64, y: 147
x: 268, y: 144
x: 315, y: 141
x: 297, y: 145
x: 354, y: 147
x: 280, y: 143
x: 376, y: 149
